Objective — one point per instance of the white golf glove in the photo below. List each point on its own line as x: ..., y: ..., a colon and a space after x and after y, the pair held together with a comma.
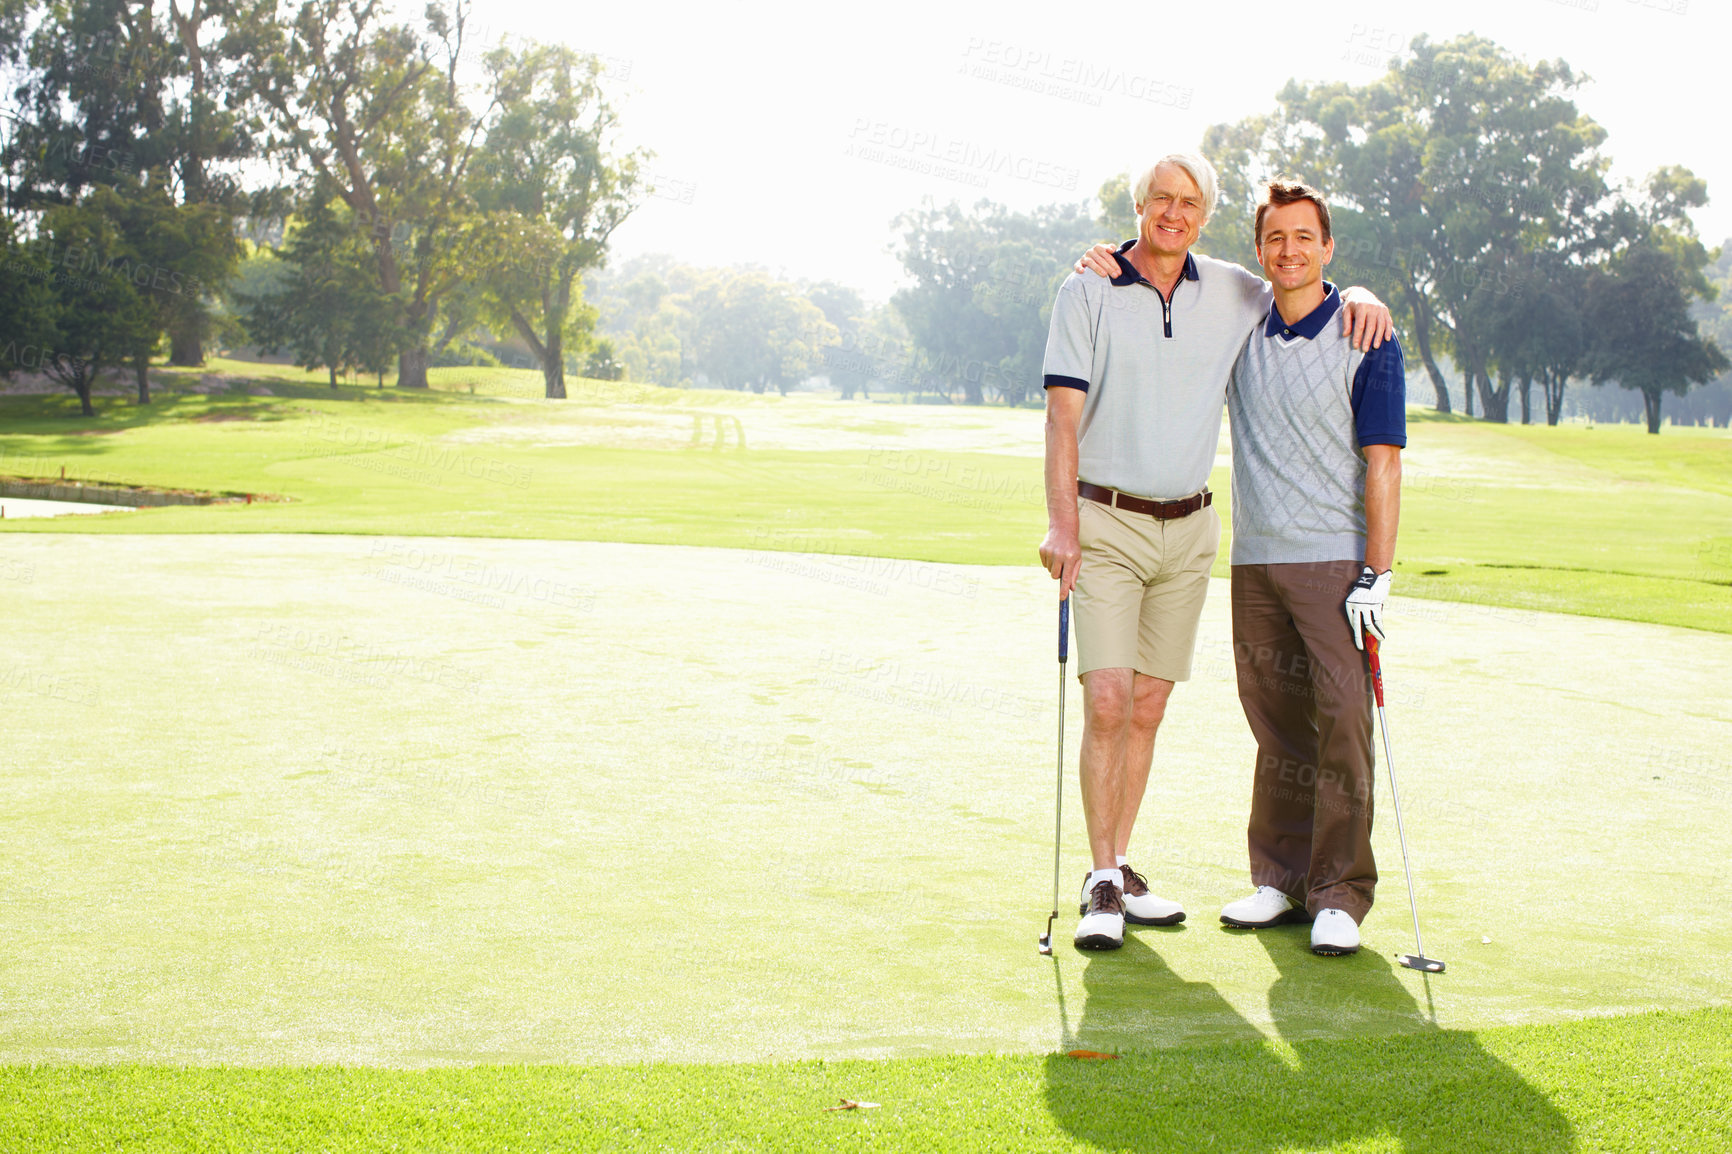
x: 1365, y: 604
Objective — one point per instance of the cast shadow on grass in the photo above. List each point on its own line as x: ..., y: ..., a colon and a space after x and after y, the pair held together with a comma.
x: 1358, y: 1060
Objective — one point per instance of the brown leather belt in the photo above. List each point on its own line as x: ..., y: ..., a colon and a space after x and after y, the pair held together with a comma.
x: 1163, y: 510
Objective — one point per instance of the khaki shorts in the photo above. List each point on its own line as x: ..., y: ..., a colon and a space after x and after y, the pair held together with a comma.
x: 1141, y: 587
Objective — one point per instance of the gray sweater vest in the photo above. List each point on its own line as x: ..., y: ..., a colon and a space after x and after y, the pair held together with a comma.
x: 1298, y: 471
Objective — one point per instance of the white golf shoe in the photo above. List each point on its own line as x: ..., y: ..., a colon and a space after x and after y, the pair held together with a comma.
x: 1103, y: 922
x: 1334, y: 932
x: 1267, y: 907
x: 1142, y: 908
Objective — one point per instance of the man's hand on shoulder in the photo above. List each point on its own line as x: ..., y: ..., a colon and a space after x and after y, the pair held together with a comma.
x: 1365, y: 319
x: 1098, y: 259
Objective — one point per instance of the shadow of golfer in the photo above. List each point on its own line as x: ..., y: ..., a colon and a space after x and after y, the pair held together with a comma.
x: 1361, y: 1062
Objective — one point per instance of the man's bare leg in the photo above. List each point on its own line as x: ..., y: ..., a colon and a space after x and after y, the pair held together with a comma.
x: 1149, y: 706
x: 1108, y: 705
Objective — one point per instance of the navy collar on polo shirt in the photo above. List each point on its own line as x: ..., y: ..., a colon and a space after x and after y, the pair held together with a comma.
x: 1130, y: 275
x: 1310, y: 324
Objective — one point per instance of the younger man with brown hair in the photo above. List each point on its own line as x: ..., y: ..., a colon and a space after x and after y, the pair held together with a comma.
x: 1318, y: 429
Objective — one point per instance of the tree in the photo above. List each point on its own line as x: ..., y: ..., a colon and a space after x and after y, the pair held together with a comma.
x: 844, y: 309
x: 364, y: 106
x: 320, y: 300
x: 1464, y: 160
x: 176, y: 255
x: 1712, y: 403
x: 641, y: 306
x: 1538, y: 330
x: 754, y: 332
x: 1644, y: 336
x: 556, y: 192
x: 117, y: 95
x: 1118, y: 210
x: 984, y: 283
x: 27, y: 303
x: 95, y: 317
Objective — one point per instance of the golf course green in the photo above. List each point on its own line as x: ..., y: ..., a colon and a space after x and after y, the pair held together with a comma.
x: 656, y: 769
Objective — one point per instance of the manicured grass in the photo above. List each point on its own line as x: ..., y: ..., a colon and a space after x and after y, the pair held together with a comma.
x: 319, y: 799
x: 1600, y: 522
x: 1653, y: 1082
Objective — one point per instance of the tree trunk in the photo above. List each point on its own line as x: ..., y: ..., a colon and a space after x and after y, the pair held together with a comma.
x: 81, y: 384
x: 1554, y: 399
x: 553, y: 366
x: 141, y: 368
x: 1422, y: 337
x: 549, y: 355
x: 1497, y: 403
x: 1651, y: 402
x: 1527, y: 412
x: 333, y: 371
x: 186, y: 341
x: 412, y: 368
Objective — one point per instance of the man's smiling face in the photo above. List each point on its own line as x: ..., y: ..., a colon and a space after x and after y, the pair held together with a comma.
x: 1291, y: 248
x: 1173, y: 215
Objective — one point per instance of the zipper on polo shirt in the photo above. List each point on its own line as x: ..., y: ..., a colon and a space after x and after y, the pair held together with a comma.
x: 1167, y: 305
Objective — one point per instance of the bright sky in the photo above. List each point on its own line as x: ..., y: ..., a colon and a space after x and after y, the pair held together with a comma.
x: 790, y: 134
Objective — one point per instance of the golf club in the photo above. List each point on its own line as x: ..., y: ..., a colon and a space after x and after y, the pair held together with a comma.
x: 1058, y: 805
x: 1416, y: 961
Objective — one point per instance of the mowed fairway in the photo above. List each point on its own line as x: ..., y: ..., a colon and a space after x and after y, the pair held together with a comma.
x: 1605, y: 522
x: 277, y: 805
x: 399, y: 805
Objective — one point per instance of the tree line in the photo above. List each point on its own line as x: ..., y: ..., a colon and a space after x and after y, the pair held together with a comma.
x: 1474, y: 198
x: 1469, y: 192
x: 390, y: 187
x: 367, y: 194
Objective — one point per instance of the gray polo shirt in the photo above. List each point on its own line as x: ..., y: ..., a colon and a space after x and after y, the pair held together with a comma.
x: 1155, y: 370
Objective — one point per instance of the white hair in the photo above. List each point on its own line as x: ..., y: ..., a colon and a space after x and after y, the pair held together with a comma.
x: 1199, y: 170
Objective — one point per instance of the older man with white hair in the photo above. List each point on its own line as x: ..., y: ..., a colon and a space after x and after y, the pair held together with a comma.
x: 1136, y: 370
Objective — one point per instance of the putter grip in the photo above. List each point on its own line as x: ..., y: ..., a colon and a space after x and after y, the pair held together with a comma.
x: 1064, y: 631
x: 1376, y: 668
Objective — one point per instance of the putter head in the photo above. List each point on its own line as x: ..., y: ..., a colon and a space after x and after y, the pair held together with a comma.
x: 1045, y: 946
x: 1420, y: 962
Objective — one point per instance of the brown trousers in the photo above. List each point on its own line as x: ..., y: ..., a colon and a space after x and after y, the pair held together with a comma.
x: 1307, y: 696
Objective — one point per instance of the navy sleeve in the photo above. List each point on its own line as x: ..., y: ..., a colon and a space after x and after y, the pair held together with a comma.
x: 1380, y: 396
x: 1055, y: 381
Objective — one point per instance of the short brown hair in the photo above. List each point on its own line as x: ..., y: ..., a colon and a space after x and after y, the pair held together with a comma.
x: 1285, y: 192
